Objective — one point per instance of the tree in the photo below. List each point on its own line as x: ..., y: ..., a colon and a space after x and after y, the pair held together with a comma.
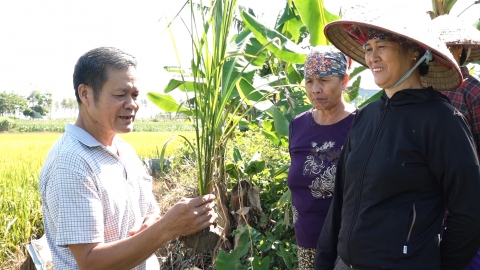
x: 10, y: 102
x: 64, y: 104
x: 73, y: 105
x: 69, y: 104
x: 39, y: 104
x: 56, y: 105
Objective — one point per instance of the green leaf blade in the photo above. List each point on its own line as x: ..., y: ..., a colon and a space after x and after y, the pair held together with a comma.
x: 276, y: 43
x: 167, y: 103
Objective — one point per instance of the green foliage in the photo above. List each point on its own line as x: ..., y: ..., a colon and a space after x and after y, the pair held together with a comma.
x: 352, y: 91
x: 357, y: 71
x: 273, y: 237
x: 6, y: 124
x: 290, y: 24
x: 222, y: 96
x: 167, y: 103
x: 477, y: 24
x: 11, y: 103
x: 315, y: 17
x: 371, y: 99
x: 58, y: 125
x: 276, y: 43
x: 231, y: 260
x: 271, y: 243
x: 39, y: 104
x: 69, y: 104
x: 251, y: 96
x: 241, y: 169
x: 285, y: 64
x: 214, y: 106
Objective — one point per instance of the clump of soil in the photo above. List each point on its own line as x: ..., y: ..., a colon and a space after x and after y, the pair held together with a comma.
x: 191, y: 252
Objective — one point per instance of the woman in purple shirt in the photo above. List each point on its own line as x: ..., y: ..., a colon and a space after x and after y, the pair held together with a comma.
x: 316, y: 140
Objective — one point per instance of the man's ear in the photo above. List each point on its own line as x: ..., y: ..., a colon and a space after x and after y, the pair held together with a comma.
x: 85, y: 93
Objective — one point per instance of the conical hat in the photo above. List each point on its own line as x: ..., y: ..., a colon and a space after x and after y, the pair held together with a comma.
x: 444, y: 73
x: 454, y: 31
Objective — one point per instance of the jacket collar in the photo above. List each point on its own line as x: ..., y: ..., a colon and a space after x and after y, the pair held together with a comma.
x: 411, y: 96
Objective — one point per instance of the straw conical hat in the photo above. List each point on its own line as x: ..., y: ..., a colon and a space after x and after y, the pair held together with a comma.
x: 444, y: 73
x: 454, y: 31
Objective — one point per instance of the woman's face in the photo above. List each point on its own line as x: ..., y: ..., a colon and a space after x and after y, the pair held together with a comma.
x: 456, y: 52
x: 325, y: 92
x: 388, y: 61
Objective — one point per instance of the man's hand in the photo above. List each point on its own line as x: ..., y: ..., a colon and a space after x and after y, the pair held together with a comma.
x: 143, y: 223
x: 189, y: 216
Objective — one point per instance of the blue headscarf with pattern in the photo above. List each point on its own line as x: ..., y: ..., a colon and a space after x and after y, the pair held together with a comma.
x: 324, y: 61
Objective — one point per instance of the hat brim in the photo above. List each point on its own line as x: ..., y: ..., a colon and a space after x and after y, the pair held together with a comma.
x: 439, y: 77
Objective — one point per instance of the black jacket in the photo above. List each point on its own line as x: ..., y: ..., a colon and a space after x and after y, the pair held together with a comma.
x: 405, y: 161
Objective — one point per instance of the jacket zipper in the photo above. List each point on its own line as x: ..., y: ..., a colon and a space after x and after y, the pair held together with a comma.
x: 359, y: 191
x: 411, y: 228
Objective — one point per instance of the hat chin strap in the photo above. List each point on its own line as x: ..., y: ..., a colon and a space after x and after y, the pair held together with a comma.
x: 427, y: 57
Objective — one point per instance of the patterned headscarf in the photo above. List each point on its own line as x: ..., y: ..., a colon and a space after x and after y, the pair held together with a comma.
x: 325, y: 61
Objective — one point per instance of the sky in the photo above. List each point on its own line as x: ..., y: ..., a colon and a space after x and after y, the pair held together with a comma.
x: 40, y: 41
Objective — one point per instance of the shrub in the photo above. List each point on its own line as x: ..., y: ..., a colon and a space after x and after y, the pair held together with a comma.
x: 6, y: 124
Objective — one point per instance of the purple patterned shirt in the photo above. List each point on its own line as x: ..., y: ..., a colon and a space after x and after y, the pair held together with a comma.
x: 314, y: 151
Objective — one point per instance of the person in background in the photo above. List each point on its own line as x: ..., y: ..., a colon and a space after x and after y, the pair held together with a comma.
x: 408, y: 156
x: 98, y: 208
x: 463, y: 41
x: 316, y: 139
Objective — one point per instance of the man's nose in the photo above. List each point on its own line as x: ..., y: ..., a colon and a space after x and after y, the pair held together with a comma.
x: 130, y: 103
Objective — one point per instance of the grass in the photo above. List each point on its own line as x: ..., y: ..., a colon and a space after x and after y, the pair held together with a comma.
x: 20, y: 164
x: 58, y: 125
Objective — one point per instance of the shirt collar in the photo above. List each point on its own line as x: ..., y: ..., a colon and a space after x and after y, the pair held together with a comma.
x: 81, y: 135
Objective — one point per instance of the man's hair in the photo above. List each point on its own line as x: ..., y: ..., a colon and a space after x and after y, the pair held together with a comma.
x: 91, y: 68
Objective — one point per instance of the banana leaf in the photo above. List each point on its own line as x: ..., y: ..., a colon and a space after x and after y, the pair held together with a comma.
x: 315, y: 17
x: 371, y: 99
x: 167, y: 103
x: 276, y: 43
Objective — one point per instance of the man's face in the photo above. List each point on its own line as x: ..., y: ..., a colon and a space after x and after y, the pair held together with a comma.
x: 117, y: 104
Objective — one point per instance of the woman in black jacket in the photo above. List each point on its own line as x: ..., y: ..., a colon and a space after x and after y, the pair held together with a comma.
x: 408, y: 157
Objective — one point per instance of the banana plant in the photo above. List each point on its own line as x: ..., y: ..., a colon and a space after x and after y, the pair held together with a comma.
x: 220, y: 88
x: 209, y: 86
x: 441, y: 7
x: 301, y: 19
x: 315, y: 17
